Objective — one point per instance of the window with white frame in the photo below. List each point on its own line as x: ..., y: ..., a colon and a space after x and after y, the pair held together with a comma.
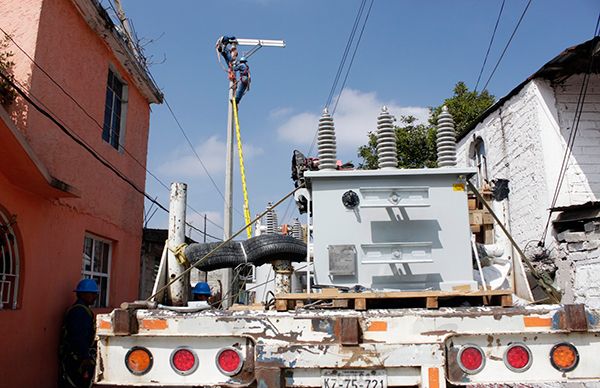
x: 96, y: 265
x: 479, y: 159
x: 114, y: 110
x: 9, y: 262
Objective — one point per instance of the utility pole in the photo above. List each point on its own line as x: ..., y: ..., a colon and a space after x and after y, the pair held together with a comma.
x: 227, y: 274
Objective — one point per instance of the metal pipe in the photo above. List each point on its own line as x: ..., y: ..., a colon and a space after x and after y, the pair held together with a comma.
x: 178, y: 291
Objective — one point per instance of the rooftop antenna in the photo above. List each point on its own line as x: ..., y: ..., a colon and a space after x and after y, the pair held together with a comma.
x: 228, y: 213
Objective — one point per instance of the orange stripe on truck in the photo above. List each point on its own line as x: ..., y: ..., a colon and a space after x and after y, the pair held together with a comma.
x: 154, y: 324
x: 377, y: 326
x: 434, y: 378
x: 537, y: 322
x: 105, y: 325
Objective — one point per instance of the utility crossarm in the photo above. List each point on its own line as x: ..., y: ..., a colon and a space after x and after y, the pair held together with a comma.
x: 261, y: 42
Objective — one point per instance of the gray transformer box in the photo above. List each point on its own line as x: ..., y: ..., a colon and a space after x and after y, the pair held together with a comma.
x: 392, y: 229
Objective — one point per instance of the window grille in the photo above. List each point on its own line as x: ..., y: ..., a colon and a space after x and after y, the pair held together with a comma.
x: 9, y: 263
x: 96, y: 265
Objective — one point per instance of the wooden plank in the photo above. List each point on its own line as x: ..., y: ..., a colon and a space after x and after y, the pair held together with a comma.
x: 360, y: 304
x: 281, y: 304
x: 350, y: 331
x: 506, y: 301
x: 391, y: 294
x: 432, y: 302
x: 340, y: 303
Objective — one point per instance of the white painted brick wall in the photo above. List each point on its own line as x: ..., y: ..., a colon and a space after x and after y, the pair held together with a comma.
x: 525, y: 141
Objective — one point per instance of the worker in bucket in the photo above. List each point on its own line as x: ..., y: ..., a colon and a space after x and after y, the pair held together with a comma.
x: 226, y: 46
x: 244, y: 79
x: 77, y: 346
x: 201, y: 292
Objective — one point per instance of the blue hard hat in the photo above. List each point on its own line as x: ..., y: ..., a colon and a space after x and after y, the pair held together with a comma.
x: 243, y: 59
x: 201, y: 288
x: 87, y: 285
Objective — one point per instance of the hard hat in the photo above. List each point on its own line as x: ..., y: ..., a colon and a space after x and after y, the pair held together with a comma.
x: 87, y: 285
x: 201, y: 288
x: 243, y: 59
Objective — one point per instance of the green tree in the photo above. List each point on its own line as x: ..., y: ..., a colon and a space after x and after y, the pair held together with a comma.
x: 416, y: 143
x: 464, y: 106
x: 415, y: 146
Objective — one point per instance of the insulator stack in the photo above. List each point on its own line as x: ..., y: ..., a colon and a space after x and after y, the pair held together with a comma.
x: 297, y: 229
x: 386, y: 140
x: 326, y: 142
x: 446, y: 139
x: 271, y: 224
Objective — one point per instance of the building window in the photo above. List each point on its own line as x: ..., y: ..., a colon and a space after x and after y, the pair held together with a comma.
x: 114, y: 110
x: 96, y: 265
x: 479, y: 159
x: 9, y: 262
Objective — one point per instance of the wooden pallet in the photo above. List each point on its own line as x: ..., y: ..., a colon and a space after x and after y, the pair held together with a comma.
x: 332, y: 298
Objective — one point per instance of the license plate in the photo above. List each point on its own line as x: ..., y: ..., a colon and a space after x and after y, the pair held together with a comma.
x: 353, y: 379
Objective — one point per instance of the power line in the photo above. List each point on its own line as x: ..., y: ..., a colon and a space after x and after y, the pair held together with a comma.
x: 345, y: 54
x: 51, y: 116
x: 490, y: 45
x: 139, y: 163
x: 353, y: 55
x: 507, y: 44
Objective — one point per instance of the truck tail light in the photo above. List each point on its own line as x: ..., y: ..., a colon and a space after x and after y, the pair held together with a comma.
x: 229, y: 361
x: 184, y: 360
x: 564, y: 357
x: 517, y: 357
x: 471, y: 359
x: 138, y: 360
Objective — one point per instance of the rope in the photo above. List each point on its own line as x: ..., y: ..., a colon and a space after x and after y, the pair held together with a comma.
x: 179, y: 253
x: 242, y: 169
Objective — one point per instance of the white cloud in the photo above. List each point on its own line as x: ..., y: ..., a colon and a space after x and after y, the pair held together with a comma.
x: 355, y: 116
x: 280, y: 112
x: 184, y: 163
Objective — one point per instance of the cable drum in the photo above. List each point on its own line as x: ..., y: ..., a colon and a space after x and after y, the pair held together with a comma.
x: 258, y: 250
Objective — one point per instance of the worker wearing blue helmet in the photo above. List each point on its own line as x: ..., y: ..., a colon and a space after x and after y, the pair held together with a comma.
x: 77, y: 347
x: 201, y: 292
x: 243, y: 86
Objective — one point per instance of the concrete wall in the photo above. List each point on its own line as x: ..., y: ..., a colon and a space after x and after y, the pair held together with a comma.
x: 525, y: 141
x: 52, y: 230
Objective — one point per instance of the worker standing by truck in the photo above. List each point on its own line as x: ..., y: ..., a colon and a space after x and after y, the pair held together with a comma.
x: 77, y: 346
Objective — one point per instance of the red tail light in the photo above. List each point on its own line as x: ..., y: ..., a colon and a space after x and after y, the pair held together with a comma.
x: 229, y: 361
x: 471, y: 359
x: 184, y: 360
x: 517, y: 357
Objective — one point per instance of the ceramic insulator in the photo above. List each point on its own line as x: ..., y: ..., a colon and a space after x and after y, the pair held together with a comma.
x: 386, y: 140
x: 446, y: 139
x: 326, y: 142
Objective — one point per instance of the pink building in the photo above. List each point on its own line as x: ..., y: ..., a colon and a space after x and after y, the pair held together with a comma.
x: 65, y: 215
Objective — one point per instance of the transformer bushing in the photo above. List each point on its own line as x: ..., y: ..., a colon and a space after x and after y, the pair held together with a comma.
x: 271, y: 224
x: 386, y: 140
x: 326, y: 142
x: 446, y: 139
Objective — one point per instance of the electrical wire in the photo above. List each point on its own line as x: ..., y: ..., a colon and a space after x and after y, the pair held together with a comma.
x: 93, y: 119
x: 574, y: 128
x: 353, y: 55
x: 345, y: 54
x: 507, y: 44
x: 45, y: 111
x: 490, y: 45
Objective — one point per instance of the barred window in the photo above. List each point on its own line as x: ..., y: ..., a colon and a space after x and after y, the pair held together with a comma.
x: 9, y: 262
x: 114, y: 110
x: 96, y: 265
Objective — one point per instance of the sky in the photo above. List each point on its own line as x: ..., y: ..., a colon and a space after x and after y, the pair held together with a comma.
x: 410, y: 56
